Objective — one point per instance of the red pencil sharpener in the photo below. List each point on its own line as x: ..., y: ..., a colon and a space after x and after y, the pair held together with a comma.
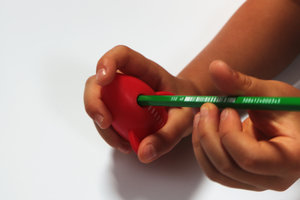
x: 132, y: 121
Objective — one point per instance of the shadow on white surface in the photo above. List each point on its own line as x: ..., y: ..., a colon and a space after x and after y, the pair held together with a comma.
x: 174, y: 176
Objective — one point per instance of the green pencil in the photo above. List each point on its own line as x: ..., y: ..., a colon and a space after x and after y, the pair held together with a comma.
x: 238, y: 102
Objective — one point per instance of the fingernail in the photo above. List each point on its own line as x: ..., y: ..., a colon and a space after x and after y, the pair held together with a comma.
x: 149, y: 152
x: 204, y: 111
x: 99, y: 120
x: 101, y: 73
x: 125, y: 149
x: 196, y: 120
x: 224, y: 114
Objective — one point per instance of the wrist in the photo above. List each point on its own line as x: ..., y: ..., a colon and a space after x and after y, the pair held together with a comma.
x: 186, y: 86
x: 199, y: 86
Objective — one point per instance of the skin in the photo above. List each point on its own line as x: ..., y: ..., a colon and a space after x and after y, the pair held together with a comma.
x: 260, y: 40
x: 260, y: 153
x: 127, y: 61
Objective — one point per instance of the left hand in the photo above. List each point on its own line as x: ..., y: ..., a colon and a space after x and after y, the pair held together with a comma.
x: 130, y: 62
x: 261, y: 153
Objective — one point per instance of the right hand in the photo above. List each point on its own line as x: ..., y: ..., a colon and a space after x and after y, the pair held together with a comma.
x: 260, y: 153
x: 129, y: 62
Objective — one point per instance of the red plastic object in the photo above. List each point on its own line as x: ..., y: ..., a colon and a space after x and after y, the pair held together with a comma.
x: 132, y: 121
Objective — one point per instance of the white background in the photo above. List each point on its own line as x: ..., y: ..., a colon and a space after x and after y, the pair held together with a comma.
x: 49, y: 148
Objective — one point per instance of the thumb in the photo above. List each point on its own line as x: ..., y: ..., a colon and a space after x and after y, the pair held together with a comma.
x: 231, y: 82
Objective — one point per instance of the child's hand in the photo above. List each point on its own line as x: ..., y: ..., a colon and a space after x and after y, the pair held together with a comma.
x: 126, y: 60
x: 261, y: 153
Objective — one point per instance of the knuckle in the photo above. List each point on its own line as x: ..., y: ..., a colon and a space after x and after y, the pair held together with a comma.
x: 112, y: 53
x: 89, y: 106
x: 213, y: 176
x: 282, y: 184
x: 223, y: 134
x: 280, y: 187
x: 122, y: 48
x: 202, y: 136
x: 247, y: 163
x: 89, y: 81
x: 247, y: 82
x: 226, y: 168
x: 90, y: 109
x: 198, y: 136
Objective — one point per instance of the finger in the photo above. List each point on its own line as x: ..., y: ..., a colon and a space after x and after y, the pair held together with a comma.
x: 258, y: 157
x: 208, y: 127
x: 232, y: 82
x: 203, y: 159
x: 132, y: 63
x: 101, y: 116
x: 230, y: 122
x: 275, y: 123
x: 95, y: 108
x: 163, y: 141
x: 213, y: 174
x: 235, y: 83
x: 114, y: 139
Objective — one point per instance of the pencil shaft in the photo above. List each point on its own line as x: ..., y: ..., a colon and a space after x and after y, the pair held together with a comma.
x: 240, y: 102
